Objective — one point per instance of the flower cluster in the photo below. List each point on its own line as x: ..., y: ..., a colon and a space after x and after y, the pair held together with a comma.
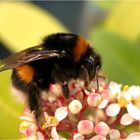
x: 110, y: 113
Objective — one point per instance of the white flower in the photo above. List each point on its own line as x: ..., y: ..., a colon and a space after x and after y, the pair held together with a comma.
x: 115, y: 88
x: 113, y: 109
x: 126, y: 99
x: 133, y: 111
x: 133, y: 95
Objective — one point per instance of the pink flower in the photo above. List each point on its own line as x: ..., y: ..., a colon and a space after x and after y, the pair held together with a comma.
x: 125, y: 98
x: 86, y: 114
x: 94, y: 99
x: 85, y: 127
x: 101, y: 129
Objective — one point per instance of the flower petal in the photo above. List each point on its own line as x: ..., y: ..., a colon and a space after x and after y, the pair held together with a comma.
x: 103, y: 104
x: 126, y: 119
x: 61, y: 113
x: 27, y: 118
x: 40, y: 136
x: 54, y: 134
x: 27, y: 128
x: 133, y: 111
x: 132, y: 92
x: 134, y: 136
x: 113, y: 110
x: 115, y: 88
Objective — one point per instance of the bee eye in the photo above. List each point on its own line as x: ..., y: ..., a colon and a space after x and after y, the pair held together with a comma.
x: 90, y: 60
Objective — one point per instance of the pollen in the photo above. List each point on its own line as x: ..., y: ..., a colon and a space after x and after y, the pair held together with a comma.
x: 25, y: 72
x: 125, y: 88
x: 80, y: 48
x: 122, y: 102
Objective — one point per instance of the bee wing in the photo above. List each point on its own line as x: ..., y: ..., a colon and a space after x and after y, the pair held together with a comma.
x: 28, y: 55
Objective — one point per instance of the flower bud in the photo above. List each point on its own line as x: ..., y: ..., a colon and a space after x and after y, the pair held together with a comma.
x: 98, y: 137
x: 78, y: 136
x: 102, y: 129
x: 75, y: 106
x: 61, y: 113
x: 85, y: 127
x: 114, y: 134
x: 55, y: 89
x: 27, y: 128
x: 93, y: 99
x: 133, y: 136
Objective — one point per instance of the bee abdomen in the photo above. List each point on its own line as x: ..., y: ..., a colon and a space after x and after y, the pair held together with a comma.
x: 25, y: 72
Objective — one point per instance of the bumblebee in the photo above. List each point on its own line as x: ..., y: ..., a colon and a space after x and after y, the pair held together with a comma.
x: 60, y: 58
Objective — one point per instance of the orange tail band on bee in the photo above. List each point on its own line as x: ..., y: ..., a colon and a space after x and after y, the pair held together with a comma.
x: 25, y: 72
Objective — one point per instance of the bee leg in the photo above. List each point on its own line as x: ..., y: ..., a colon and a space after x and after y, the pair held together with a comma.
x: 65, y: 89
x: 97, y: 81
x: 35, y: 105
x: 85, y: 76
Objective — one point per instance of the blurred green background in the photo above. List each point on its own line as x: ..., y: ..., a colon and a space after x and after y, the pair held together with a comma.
x: 112, y: 27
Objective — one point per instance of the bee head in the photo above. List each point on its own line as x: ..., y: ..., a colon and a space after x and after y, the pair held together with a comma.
x: 92, y: 62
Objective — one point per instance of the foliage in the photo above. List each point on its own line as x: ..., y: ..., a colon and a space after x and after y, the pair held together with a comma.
x: 120, y: 57
x: 9, y: 108
x: 21, y: 25
x: 117, y: 39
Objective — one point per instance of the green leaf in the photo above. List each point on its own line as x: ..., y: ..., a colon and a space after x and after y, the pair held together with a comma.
x: 124, y: 19
x: 120, y: 57
x: 10, y: 110
x: 22, y: 25
x: 105, y: 5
